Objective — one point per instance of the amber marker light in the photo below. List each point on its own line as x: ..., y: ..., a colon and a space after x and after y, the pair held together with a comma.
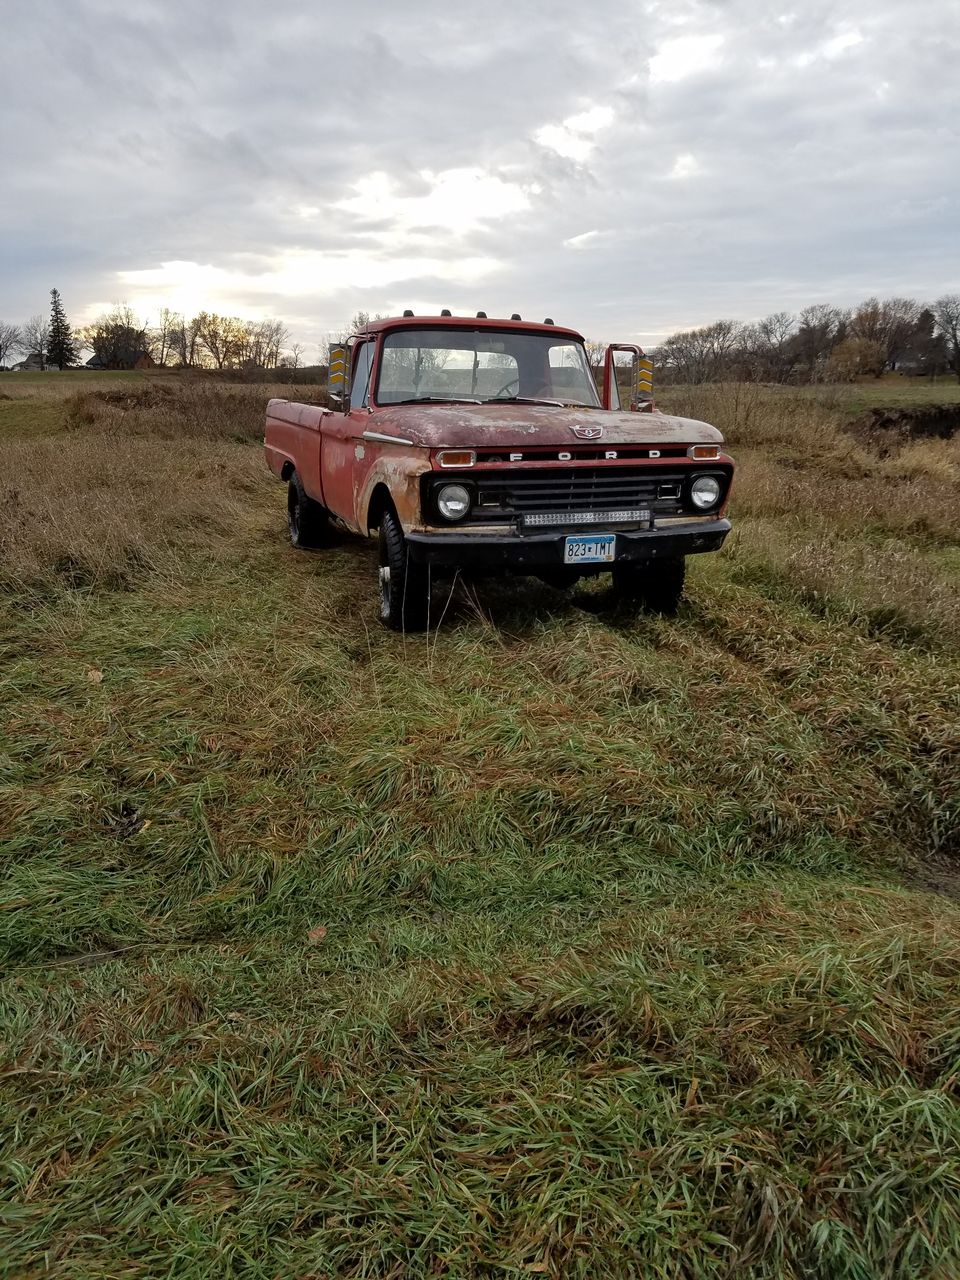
x: 456, y: 458
x: 704, y: 452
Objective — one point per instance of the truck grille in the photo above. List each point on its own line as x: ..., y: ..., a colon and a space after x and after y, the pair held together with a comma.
x: 576, y: 489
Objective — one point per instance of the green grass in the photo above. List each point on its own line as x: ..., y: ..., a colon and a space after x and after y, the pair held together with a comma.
x: 52, y: 381
x: 895, y: 392
x: 561, y: 941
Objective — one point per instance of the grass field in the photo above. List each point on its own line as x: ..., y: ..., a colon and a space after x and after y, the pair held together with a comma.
x: 561, y: 941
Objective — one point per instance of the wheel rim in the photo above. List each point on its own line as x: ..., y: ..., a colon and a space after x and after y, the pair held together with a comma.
x: 294, y: 515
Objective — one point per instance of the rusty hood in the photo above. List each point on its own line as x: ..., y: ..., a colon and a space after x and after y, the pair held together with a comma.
x: 436, y: 426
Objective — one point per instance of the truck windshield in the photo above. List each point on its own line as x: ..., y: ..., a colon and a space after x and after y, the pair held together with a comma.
x: 484, y: 365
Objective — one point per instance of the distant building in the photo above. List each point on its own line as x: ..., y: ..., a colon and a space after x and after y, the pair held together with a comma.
x: 33, y: 364
x: 125, y: 360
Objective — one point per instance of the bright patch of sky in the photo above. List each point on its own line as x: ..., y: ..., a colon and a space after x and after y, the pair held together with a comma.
x: 684, y: 56
x: 457, y: 198
x: 685, y: 166
x: 574, y: 138
x: 581, y: 241
x: 189, y: 286
x: 832, y: 48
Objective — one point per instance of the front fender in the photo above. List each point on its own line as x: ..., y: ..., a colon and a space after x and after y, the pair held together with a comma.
x: 398, y: 470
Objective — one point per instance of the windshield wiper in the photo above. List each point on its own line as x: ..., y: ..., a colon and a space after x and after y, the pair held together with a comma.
x: 560, y: 404
x: 438, y: 400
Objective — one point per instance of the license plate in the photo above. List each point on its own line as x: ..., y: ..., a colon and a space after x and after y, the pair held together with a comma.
x: 592, y: 549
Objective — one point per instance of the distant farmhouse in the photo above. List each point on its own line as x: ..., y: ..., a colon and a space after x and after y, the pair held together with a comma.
x: 33, y: 364
x: 129, y: 359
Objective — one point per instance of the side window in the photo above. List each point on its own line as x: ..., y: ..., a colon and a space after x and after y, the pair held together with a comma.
x: 360, y: 384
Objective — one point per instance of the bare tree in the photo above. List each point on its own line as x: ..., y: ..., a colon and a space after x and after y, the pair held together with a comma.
x: 163, y: 337
x: 10, y: 339
x: 276, y: 337
x: 946, y: 314
x: 773, y: 346
x: 596, y: 351
x: 701, y: 355
x: 889, y: 323
x: 820, y: 328
x: 35, y: 336
x: 358, y: 322
x: 223, y: 337
x: 854, y: 357
x: 117, y: 338
x: 186, y: 342
x: 296, y: 355
x: 260, y: 342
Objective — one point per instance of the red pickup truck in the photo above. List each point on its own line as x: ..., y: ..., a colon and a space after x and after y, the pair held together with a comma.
x: 484, y: 445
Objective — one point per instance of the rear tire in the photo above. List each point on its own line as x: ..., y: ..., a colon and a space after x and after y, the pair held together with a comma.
x: 656, y: 585
x: 404, y: 585
x: 307, y: 521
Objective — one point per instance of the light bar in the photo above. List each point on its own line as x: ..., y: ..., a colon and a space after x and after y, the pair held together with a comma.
x: 704, y: 452
x: 633, y: 515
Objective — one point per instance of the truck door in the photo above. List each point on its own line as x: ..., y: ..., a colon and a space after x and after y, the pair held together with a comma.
x: 340, y: 463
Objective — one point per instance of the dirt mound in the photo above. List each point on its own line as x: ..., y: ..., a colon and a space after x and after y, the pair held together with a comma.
x: 88, y: 408
x: 887, y: 428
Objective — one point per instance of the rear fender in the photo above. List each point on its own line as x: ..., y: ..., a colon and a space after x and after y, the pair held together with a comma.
x: 292, y: 442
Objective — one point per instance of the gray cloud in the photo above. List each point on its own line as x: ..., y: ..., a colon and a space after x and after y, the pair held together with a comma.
x: 806, y: 154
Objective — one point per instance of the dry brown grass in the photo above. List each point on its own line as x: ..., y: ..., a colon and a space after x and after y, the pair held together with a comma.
x: 143, y: 471
x: 863, y: 496
x: 825, y: 519
x: 888, y: 586
x: 752, y: 416
x: 796, y: 462
x: 200, y: 409
x: 101, y: 508
x: 921, y: 459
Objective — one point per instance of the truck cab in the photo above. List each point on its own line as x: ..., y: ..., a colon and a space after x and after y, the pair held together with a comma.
x: 483, y: 445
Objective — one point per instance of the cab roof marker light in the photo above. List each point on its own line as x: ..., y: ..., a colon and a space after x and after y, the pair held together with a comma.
x: 516, y: 316
x: 704, y: 452
x: 481, y: 315
x: 456, y: 457
x: 446, y: 312
x: 407, y: 313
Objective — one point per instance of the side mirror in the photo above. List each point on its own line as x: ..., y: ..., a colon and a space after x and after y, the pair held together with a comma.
x: 337, y: 375
x: 627, y: 378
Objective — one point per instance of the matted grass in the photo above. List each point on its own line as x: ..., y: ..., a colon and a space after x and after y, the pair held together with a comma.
x: 561, y: 941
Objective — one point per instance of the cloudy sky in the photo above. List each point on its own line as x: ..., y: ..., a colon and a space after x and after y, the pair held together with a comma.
x: 628, y: 169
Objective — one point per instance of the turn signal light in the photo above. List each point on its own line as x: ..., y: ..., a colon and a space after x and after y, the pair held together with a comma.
x: 704, y: 452
x: 456, y: 458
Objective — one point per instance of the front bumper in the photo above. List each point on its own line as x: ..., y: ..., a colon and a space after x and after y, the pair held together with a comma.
x: 529, y: 553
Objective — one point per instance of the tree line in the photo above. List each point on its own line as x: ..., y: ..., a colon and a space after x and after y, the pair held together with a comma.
x: 119, y: 339
x: 822, y: 343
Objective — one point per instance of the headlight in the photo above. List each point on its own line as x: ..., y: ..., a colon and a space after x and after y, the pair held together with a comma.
x: 453, y: 501
x: 705, y: 491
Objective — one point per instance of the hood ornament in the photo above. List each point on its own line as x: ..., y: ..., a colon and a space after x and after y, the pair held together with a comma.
x: 587, y: 433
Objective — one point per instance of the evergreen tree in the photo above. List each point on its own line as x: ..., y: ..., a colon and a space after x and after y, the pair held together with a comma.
x: 61, y: 345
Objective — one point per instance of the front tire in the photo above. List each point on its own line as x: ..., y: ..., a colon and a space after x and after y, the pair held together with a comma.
x: 404, y: 585
x: 656, y: 585
x: 307, y: 521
